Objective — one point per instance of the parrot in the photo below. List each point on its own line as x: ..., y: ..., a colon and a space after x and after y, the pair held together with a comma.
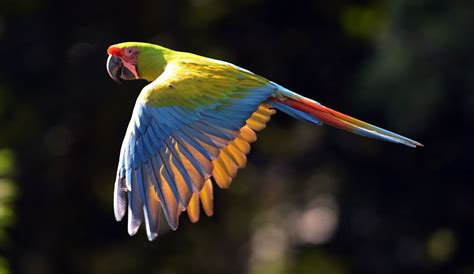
x: 191, y: 128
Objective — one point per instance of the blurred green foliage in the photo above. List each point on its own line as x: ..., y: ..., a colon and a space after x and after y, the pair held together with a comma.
x: 363, y: 21
x: 441, y: 245
x: 8, y: 193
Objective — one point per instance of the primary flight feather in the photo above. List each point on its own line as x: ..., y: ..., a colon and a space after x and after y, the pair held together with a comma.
x: 193, y: 122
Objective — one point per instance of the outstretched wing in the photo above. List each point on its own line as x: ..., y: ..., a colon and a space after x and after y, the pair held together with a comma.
x: 194, y: 121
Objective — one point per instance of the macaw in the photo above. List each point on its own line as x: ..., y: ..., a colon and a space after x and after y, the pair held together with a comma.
x: 195, y: 121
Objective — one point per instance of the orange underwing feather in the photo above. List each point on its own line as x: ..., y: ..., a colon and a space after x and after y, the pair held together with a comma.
x: 207, y: 197
x: 240, y: 146
x: 170, y: 200
x: 193, y: 208
x: 233, y: 157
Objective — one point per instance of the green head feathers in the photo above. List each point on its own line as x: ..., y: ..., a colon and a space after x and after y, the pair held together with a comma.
x: 136, y: 60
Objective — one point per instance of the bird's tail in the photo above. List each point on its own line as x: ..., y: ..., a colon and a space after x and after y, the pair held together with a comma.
x: 303, y: 108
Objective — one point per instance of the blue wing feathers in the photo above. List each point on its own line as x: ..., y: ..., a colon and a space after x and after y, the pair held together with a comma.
x: 295, y: 113
x: 201, y: 137
x: 193, y: 143
x: 160, y: 140
x: 183, y: 149
x: 168, y: 174
x: 153, y: 172
x: 223, y: 122
x: 143, y: 195
x: 120, y: 198
x: 135, y: 207
x: 179, y: 165
x: 152, y: 208
x: 209, y: 129
x: 128, y: 178
x: 148, y: 144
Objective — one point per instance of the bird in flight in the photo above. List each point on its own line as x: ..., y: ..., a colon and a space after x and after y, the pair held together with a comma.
x: 195, y: 121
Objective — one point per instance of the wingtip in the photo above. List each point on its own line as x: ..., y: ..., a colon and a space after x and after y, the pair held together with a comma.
x: 119, y: 216
x: 193, y: 219
x: 152, y: 236
x: 209, y: 213
x: 119, y: 210
x: 174, y: 227
x: 134, y: 223
x: 419, y: 144
x: 172, y: 220
x: 412, y: 144
x: 120, y: 200
x: 133, y: 227
x: 132, y: 230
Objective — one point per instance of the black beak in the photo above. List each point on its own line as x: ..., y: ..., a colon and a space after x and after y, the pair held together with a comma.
x: 117, y: 69
x: 114, y: 67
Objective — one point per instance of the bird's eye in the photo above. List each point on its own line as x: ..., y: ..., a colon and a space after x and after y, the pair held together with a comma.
x: 128, y: 52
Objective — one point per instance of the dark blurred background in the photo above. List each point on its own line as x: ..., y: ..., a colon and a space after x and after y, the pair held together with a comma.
x: 311, y: 200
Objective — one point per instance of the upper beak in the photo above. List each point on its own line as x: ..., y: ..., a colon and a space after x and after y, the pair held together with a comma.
x: 118, y: 69
x: 114, y: 67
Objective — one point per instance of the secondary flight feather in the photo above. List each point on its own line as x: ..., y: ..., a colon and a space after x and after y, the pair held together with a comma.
x: 192, y: 125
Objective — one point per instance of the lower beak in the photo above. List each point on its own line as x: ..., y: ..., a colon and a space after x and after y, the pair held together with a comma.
x: 118, y: 69
x: 114, y: 67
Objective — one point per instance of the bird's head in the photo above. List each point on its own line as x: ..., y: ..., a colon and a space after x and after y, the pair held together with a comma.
x: 134, y: 60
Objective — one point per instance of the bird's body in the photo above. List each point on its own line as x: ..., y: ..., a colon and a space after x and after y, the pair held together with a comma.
x: 193, y: 122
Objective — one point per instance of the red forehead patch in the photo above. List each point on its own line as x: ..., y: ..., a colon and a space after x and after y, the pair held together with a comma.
x: 114, y: 51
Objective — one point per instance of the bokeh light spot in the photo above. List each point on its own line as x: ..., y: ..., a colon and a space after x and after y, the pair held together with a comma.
x: 441, y: 245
